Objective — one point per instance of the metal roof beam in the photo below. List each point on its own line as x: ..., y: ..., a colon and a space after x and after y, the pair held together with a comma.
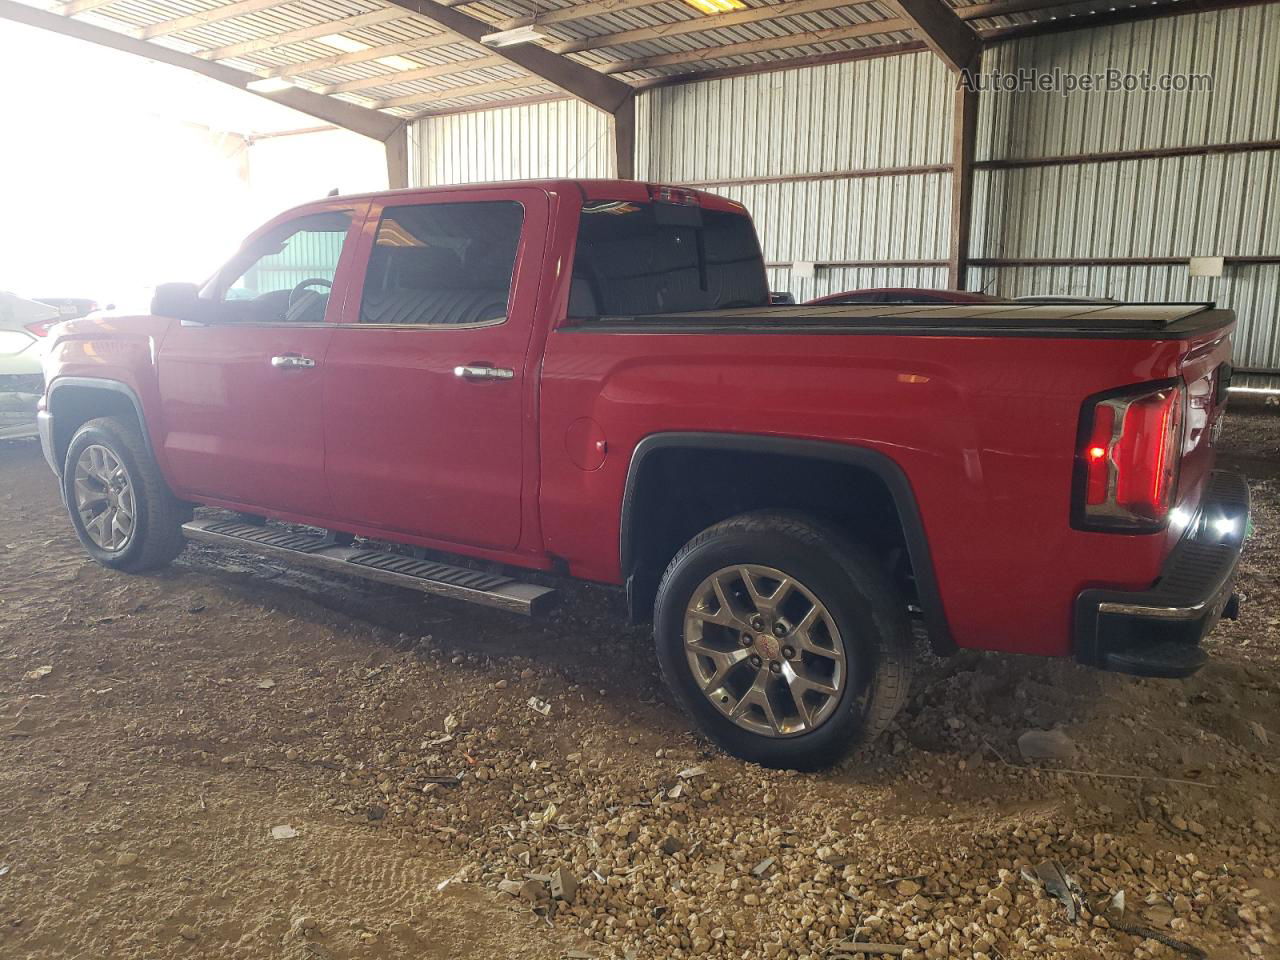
x: 586, y: 84
x: 370, y: 123
x: 1113, y: 17
x: 397, y: 150
x: 954, y: 41
x: 623, y: 124
x: 963, y: 132
x: 701, y: 24
x: 806, y: 39
x: 1000, y: 8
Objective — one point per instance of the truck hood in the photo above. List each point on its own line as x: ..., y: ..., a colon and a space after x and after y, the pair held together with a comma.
x: 113, y: 324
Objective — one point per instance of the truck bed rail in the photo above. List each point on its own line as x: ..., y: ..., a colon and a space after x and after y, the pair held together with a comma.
x: 1118, y: 321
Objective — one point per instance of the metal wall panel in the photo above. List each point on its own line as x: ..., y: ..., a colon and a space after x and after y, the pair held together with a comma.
x: 1239, y: 48
x: 869, y: 114
x: 872, y: 114
x: 1252, y: 290
x: 886, y: 112
x: 874, y: 218
x: 1219, y: 205
x: 561, y: 138
x: 840, y: 279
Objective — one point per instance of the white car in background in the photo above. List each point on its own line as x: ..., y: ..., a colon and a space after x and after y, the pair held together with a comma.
x: 24, y: 324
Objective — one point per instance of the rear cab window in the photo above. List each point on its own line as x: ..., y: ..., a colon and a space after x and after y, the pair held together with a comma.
x: 442, y: 264
x: 653, y: 258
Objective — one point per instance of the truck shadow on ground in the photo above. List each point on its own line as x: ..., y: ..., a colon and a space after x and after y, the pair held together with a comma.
x: 956, y: 703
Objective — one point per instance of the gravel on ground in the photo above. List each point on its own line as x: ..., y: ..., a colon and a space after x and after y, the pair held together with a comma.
x: 235, y: 759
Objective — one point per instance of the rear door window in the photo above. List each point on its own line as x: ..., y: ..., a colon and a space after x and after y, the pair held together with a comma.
x: 442, y: 264
x: 657, y: 258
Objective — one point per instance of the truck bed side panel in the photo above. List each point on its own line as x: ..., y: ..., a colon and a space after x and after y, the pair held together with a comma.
x: 984, y: 427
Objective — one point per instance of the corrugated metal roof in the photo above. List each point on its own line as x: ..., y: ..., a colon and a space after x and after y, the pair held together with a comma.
x: 284, y: 38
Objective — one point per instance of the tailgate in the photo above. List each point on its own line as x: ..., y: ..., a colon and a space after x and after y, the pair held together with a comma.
x: 1206, y: 371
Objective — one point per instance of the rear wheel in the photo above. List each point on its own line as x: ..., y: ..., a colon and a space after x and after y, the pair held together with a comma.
x: 787, y: 645
x: 120, y: 505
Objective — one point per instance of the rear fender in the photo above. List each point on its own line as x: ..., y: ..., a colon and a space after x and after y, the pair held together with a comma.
x: 877, y: 464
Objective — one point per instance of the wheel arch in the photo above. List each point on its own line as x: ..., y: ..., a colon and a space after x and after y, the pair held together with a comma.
x: 647, y: 537
x: 73, y: 401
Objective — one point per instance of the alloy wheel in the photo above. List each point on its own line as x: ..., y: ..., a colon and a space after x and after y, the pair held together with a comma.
x: 104, y: 498
x: 764, y: 650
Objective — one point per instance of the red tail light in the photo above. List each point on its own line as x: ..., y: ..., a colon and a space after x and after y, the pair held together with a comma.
x: 1128, y: 458
x: 41, y: 328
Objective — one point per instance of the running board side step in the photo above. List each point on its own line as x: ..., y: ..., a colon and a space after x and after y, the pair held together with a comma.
x: 313, y: 550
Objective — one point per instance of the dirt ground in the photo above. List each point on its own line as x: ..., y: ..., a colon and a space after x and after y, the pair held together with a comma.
x: 155, y: 731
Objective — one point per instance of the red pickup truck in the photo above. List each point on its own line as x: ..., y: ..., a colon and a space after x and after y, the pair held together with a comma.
x: 443, y: 388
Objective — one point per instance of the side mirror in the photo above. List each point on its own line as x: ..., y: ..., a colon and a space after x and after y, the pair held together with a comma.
x: 178, y: 300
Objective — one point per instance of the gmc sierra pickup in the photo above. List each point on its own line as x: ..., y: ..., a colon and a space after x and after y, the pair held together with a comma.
x: 441, y: 388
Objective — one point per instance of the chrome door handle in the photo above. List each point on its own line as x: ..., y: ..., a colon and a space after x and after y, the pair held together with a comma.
x: 292, y: 361
x: 483, y: 372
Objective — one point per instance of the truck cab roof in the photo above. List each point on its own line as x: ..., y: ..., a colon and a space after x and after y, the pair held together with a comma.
x: 589, y: 189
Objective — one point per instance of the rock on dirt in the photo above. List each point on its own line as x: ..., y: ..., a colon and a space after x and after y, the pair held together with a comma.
x: 1046, y: 745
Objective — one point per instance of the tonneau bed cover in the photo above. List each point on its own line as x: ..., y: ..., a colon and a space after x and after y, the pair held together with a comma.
x: 1111, y: 320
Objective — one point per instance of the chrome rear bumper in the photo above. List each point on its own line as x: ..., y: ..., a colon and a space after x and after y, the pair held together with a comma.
x: 1157, y: 632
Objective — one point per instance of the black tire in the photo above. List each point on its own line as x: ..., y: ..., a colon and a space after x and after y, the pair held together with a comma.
x: 868, y: 613
x: 156, y: 536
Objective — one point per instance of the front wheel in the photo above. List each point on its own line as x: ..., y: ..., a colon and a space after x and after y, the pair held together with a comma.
x: 121, y: 508
x: 787, y: 645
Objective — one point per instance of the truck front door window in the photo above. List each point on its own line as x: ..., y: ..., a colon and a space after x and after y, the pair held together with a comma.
x: 285, y: 276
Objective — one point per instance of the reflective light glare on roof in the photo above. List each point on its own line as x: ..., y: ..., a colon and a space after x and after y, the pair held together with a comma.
x: 716, y: 6
x: 340, y: 42
x: 269, y: 85
x: 399, y: 63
